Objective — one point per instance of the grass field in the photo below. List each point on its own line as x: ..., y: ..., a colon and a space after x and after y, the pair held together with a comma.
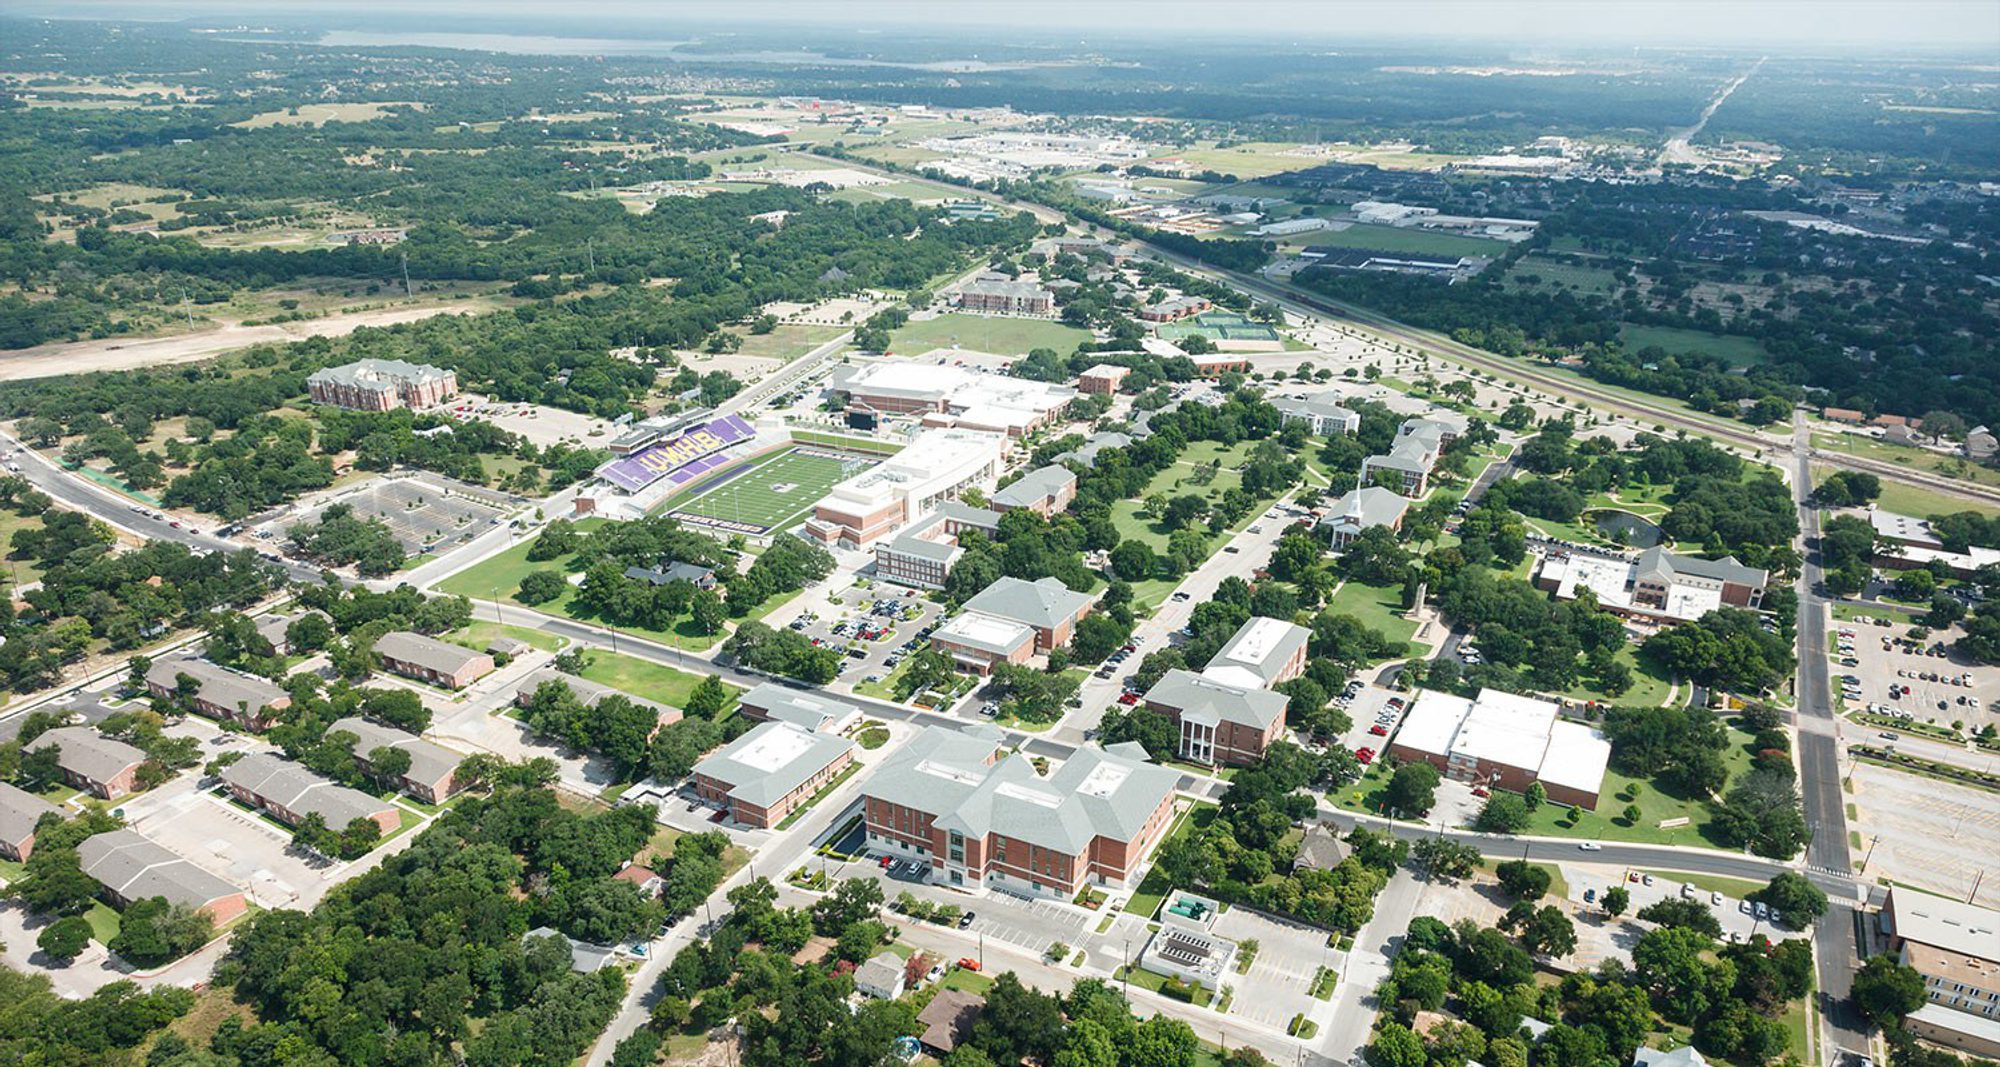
x: 1404, y: 239
x: 1649, y: 686
x: 321, y: 114
x: 775, y: 494
x: 1739, y: 351
x: 1914, y: 499
x: 480, y: 634
x: 787, y: 342
x: 1378, y: 608
x: 1185, y: 478
x: 999, y: 335
x: 1554, y: 273
x: 644, y: 678
x: 1921, y: 459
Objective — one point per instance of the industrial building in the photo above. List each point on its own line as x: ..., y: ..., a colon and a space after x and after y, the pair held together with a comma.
x: 989, y: 823
x: 1504, y: 741
x: 382, y: 385
x: 937, y: 466
x: 769, y: 772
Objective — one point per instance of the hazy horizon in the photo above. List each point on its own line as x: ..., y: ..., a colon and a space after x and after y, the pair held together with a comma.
x: 1956, y: 25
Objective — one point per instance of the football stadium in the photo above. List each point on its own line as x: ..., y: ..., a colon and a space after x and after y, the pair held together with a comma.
x: 768, y: 494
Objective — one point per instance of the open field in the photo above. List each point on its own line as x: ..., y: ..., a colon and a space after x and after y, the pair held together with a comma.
x: 1916, y: 500
x: 1185, y: 478
x: 1254, y: 160
x: 1378, y: 608
x: 321, y: 114
x: 1739, y: 351
x: 1919, y: 459
x: 1000, y: 335
x: 647, y: 679
x: 775, y: 494
x: 787, y: 342
x: 1403, y: 239
x: 1554, y: 273
x: 1649, y: 687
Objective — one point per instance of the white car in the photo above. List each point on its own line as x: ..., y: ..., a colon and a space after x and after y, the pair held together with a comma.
x: 1590, y: 846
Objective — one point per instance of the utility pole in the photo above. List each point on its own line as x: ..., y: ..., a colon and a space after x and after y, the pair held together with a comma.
x: 407, y: 291
x: 590, y: 251
x: 1870, y: 853
x: 1975, y: 885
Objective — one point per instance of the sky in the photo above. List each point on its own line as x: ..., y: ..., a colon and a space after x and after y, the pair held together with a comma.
x: 1960, y: 24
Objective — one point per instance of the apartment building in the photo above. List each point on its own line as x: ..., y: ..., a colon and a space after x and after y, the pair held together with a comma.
x: 382, y: 385
x: 1006, y: 297
x: 101, y: 766
x: 433, y: 767
x: 219, y: 692
x: 290, y: 792
x: 428, y: 659
x: 132, y: 867
x: 20, y: 813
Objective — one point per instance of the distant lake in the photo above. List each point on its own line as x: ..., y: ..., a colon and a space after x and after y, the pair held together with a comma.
x: 543, y: 45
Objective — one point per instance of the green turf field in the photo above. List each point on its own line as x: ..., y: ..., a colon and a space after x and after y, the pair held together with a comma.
x: 999, y: 334
x: 1219, y: 326
x: 775, y: 494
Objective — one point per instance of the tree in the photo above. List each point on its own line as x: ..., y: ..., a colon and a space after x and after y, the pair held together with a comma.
x: 1523, y: 880
x: 540, y: 587
x: 1884, y: 990
x: 708, y: 698
x: 152, y: 932
x: 707, y: 611
x: 1395, y: 1045
x: 1444, y: 858
x: 1545, y: 931
x: 1801, y: 902
x: 1503, y: 813
x: 65, y: 938
x: 1616, y: 900
x: 1685, y: 914
x: 1412, y: 789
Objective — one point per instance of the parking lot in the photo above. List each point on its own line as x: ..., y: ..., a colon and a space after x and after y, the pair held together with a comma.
x: 876, y: 622
x: 1927, y: 833
x: 1877, y: 669
x: 1030, y: 924
x: 543, y: 425
x: 1739, y: 918
x: 1289, y: 955
x: 237, y: 845
x: 425, y: 512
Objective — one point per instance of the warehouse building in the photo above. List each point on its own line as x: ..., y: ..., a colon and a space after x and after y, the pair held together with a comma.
x: 1504, y: 741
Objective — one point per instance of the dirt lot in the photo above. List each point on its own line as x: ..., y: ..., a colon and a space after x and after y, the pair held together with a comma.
x: 539, y: 423
x: 1930, y: 834
x: 111, y: 353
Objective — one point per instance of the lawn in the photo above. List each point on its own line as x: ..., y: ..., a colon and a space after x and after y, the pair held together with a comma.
x: 478, y: 635
x: 1737, y: 888
x: 1404, y: 239
x: 104, y: 922
x: 1739, y: 351
x: 966, y: 981
x: 1553, y: 273
x: 1154, y: 889
x: 1378, y: 608
x: 1921, y: 459
x: 997, y: 334
x: 1655, y: 805
x: 1649, y: 686
x: 498, y: 577
x: 1915, y: 500
x: 787, y: 342
x: 1186, y: 477
x: 644, y: 678
x: 1147, y: 980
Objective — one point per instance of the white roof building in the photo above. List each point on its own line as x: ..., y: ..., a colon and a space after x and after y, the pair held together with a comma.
x: 972, y: 399
x: 1506, y: 739
x: 935, y: 468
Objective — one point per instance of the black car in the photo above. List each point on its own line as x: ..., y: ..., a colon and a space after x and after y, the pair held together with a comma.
x: 965, y: 920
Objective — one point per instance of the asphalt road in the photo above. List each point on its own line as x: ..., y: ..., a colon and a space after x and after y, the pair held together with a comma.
x: 1834, y: 943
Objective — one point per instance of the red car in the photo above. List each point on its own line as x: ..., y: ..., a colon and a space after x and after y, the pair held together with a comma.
x: 1128, y: 699
x: 1365, y: 755
x: 1379, y: 730
x: 886, y: 862
x: 1480, y: 791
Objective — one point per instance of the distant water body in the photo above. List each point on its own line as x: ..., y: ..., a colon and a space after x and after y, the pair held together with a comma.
x: 538, y: 45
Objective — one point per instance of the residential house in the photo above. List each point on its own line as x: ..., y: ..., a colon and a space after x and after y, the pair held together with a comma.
x: 882, y: 977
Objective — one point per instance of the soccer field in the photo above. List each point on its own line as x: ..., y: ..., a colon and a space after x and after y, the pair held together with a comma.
x: 772, y: 495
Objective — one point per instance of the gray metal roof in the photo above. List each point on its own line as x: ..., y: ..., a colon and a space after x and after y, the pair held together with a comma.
x: 1661, y: 564
x: 1093, y: 794
x: 882, y: 972
x: 785, y: 704
x: 773, y: 759
x: 217, y: 684
x: 672, y: 572
x: 984, y: 518
x: 427, y: 652
x: 429, y: 761
x: 1213, y: 701
x: 20, y: 810
x: 1043, y: 604
x: 1370, y: 505
x: 137, y: 868
x: 296, y: 789
x: 89, y: 753
x: 1042, y: 483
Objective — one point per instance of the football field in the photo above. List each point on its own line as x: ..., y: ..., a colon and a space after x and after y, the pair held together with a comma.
x: 772, y: 495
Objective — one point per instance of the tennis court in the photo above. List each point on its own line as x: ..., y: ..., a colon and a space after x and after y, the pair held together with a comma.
x: 1219, y: 326
x: 772, y: 495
